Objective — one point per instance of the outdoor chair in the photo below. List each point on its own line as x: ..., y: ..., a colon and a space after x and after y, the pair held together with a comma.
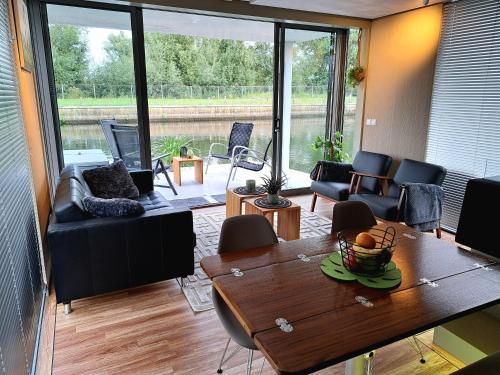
x: 390, y: 204
x: 251, y: 160
x: 124, y: 144
x: 240, y: 233
x: 335, y: 181
x: 239, y: 139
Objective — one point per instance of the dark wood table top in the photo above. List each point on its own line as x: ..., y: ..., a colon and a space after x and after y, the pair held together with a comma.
x: 277, y: 284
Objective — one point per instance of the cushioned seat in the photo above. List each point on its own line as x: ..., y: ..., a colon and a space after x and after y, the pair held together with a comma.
x: 338, y: 191
x: 381, y: 206
x: 152, y: 200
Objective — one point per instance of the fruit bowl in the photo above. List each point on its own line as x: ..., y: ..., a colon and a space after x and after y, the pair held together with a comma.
x: 368, y: 261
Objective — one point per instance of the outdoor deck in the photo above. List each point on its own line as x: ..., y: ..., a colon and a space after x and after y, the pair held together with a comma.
x: 215, y: 181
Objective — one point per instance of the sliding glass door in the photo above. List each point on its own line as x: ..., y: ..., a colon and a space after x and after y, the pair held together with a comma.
x: 305, y: 69
x: 94, y: 78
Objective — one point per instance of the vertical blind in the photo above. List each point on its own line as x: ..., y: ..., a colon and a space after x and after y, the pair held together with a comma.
x: 20, y: 275
x: 464, y: 130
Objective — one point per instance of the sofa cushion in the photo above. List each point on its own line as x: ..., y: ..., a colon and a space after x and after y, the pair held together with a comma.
x: 372, y: 163
x: 383, y: 207
x: 111, y: 181
x: 152, y: 201
x: 115, y: 207
x: 414, y: 171
x: 338, y: 191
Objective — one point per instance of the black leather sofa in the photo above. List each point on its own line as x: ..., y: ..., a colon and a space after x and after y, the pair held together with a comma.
x: 91, y: 256
x: 332, y: 180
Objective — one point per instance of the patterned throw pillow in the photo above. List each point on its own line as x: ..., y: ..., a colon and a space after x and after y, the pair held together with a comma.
x: 116, y: 207
x: 111, y: 181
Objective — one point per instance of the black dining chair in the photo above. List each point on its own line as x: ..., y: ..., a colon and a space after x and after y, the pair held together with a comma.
x: 240, y: 233
x: 123, y: 142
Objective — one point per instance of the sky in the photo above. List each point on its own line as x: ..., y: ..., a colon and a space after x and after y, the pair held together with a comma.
x: 97, y: 38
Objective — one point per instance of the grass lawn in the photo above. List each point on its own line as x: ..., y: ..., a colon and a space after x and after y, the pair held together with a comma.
x: 248, y: 100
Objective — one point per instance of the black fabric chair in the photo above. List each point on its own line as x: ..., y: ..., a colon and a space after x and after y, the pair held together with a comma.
x: 251, y: 160
x: 489, y: 365
x: 240, y: 233
x: 391, y: 205
x: 335, y: 181
x: 92, y: 255
x: 239, y: 139
x: 123, y: 142
x: 351, y: 214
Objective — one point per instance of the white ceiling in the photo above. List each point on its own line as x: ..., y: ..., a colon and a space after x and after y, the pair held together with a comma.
x: 354, y: 8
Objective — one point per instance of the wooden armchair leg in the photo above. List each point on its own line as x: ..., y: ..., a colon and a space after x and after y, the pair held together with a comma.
x: 438, y: 232
x: 313, y: 203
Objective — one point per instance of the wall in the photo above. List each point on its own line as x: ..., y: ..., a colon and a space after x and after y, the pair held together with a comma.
x: 29, y: 105
x: 400, y: 71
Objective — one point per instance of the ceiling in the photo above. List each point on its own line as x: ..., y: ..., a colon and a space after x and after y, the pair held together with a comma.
x: 354, y: 8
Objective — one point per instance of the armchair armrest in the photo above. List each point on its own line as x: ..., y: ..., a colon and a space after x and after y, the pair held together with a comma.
x: 215, y: 144
x: 357, y: 178
x: 326, y: 170
x: 143, y: 179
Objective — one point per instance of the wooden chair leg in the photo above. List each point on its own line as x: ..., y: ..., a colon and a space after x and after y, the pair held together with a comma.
x: 438, y: 232
x: 313, y: 203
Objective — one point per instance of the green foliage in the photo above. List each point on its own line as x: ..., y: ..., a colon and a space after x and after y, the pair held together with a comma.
x: 69, y: 52
x: 170, y: 146
x: 273, y: 184
x: 310, y: 62
x: 355, y: 75
x: 334, y: 150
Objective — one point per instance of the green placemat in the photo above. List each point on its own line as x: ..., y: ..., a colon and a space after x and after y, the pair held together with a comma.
x: 333, y: 267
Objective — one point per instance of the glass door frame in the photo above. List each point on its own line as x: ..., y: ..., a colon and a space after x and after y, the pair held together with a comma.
x: 141, y: 89
x: 335, y: 86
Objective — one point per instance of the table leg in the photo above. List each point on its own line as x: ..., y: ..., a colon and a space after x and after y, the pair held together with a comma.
x: 355, y: 366
x: 233, y: 204
x: 289, y: 224
x: 176, y: 167
x: 198, y: 171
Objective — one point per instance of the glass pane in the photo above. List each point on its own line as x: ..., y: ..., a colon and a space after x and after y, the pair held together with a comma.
x: 351, y: 123
x: 307, y: 57
x: 94, y: 76
x: 204, y: 74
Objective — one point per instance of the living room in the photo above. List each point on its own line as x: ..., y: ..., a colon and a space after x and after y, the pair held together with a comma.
x: 249, y: 187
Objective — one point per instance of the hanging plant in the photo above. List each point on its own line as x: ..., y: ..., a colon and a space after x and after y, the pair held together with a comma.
x: 355, y: 75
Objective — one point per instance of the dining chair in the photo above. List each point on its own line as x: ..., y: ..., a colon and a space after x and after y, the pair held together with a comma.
x: 357, y: 214
x: 240, y: 233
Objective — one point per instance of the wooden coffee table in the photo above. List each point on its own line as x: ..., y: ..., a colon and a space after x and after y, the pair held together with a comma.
x: 288, y: 218
x: 235, y: 201
x: 177, y: 162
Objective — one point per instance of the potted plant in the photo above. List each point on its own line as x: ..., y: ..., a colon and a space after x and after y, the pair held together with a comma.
x: 272, y: 185
x: 355, y: 75
x: 334, y: 151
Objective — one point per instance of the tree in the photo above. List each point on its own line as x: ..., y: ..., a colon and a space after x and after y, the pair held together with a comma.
x: 69, y: 54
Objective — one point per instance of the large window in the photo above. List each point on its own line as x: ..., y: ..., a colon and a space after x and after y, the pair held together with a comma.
x: 464, y: 130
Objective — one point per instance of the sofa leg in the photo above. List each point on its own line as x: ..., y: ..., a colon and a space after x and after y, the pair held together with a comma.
x: 67, y: 308
x: 313, y: 203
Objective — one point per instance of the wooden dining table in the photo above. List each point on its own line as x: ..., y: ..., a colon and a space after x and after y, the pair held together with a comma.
x: 332, y: 321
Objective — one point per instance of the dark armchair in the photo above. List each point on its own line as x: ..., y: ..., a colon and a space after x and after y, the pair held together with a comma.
x: 390, y: 205
x: 335, y: 181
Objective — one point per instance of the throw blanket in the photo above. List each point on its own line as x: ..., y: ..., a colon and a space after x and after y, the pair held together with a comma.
x: 424, y: 206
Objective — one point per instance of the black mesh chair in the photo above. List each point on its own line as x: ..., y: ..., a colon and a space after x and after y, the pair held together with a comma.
x: 236, y: 236
x: 251, y: 160
x: 239, y: 139
x: 124, y: 144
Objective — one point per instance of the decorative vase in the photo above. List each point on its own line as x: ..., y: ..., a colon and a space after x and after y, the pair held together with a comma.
x: 183, y: 151
x: 250, y: 185
x: 273, y: 198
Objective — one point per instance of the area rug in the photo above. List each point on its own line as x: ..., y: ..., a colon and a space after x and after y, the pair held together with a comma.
x: 195, y: 202
x: 198, y: 287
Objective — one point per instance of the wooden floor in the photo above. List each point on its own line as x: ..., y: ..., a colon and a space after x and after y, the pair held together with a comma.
x: 152, y: 330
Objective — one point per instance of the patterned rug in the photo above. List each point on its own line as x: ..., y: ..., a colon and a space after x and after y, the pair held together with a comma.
x: 197, y: 288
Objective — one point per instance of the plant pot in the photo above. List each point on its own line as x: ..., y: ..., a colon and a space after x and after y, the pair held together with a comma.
x: 273, y: 198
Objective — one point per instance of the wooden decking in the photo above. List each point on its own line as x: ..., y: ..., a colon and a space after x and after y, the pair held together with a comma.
x: 152, y: 330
